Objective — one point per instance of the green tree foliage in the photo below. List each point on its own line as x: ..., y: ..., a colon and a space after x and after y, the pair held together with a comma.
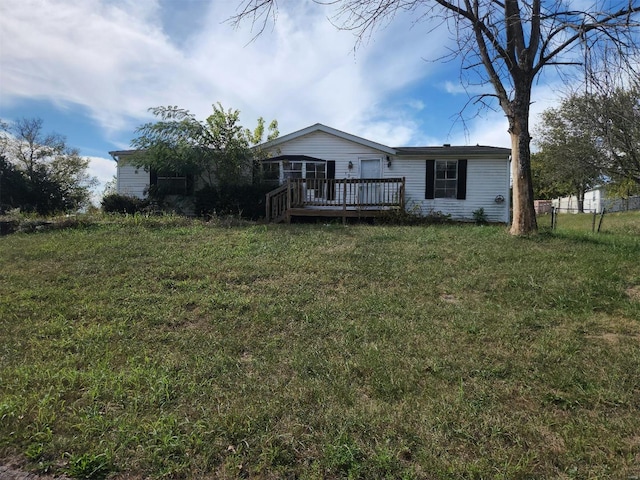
x: 614, y: 119
x: 589, y: 139
x: 623, y: 188
x: 14, y: 187
x: 541, y: 189
x: 569, y: 159
x: 111, y: 186
x: 40, y: 172
x: 218, y: 149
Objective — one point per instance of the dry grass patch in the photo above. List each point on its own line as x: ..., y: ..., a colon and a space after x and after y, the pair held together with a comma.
x: 633, y: 293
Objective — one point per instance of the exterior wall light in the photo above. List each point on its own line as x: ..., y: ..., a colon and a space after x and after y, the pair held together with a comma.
x: 388, y: 161
x: 350, y: 165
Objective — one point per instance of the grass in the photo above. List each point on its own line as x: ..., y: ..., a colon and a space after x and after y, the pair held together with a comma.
x: 620, y: 223
x: 176, y: 349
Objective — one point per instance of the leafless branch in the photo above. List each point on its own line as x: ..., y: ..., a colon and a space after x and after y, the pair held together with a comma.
x: 257, y: 13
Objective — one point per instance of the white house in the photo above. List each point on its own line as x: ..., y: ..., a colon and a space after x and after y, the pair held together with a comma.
x: 334, y: 169
x: 595, y: 201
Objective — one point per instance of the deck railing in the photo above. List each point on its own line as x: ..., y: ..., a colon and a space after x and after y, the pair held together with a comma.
x: 277, y: 203
x: 345, y: 194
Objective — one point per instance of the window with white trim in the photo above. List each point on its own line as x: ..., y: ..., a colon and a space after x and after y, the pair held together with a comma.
x: 446, y: 179
x: 315, y: 170
x: 292, y: 169
x: 281, y: 170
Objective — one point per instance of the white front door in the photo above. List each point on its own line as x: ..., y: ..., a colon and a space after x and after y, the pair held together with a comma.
x: 370, y: 168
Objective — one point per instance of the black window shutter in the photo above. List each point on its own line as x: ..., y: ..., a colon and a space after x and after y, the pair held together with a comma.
x: 331, y: 175
x: 331, y: 169
x: 153, y: 177
x: 429, y: 191
x: 462, y: 180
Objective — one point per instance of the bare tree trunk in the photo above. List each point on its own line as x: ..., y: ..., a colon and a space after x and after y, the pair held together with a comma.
x: 581, y: 200
x: 524, y: 214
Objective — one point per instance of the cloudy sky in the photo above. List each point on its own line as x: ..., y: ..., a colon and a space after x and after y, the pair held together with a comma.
x: 91, y: 69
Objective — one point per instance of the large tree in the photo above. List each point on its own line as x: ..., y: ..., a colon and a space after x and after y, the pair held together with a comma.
x: 507, y: 43
x: 590, y: 138
x: 218, y: 149
x: 53, y: 176
x: 569, y: 161
x: 614, y: 119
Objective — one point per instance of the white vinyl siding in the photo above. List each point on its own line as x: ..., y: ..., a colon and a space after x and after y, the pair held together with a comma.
x: 486, y: 179
x: 329, y: 147
x: 132, y: 181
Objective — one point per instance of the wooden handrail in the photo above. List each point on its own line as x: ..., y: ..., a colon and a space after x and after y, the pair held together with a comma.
x: 344, y: 194
x: 276, y: 204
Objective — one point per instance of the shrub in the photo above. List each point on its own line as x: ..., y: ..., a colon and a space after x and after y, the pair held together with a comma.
x: 116, y: 203
x: 479, y: 216
x: 412, y: 215
x: 247, y: 201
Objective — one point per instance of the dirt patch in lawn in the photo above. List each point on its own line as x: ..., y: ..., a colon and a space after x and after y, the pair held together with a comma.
x: 634, y: 293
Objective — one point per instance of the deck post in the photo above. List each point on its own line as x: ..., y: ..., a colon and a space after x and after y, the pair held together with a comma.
x: 288, y: 210
x: 344, y: 203
x: 268, y: 207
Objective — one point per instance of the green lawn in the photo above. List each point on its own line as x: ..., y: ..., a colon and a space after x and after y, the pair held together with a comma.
x: 156, y: 349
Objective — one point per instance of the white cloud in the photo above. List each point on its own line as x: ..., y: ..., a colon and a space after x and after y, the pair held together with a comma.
x: 114, y: 59
x: 416, y: 104
x: 104, y: 169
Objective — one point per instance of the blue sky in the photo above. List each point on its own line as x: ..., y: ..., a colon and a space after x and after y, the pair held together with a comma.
x: 92, y: 69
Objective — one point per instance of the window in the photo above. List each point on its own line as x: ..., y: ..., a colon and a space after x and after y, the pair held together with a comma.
x: 315, y: 170
x: 271, y: 172
x: 292, y: 169
x: 170, y: 183
x: 310, y: 170
x: 446, y: 180
x: 279, y: 169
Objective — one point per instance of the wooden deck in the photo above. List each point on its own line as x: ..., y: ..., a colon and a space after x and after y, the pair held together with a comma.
x: 345, y: 198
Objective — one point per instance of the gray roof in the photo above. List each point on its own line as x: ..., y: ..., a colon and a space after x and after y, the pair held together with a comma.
x: 452, y: 150
x: 459, y: 151
x: 445, y: 150
x: 116, y: 153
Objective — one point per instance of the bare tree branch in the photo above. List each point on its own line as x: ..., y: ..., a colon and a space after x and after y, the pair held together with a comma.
x: 513, y: 40
x: 258, y: 12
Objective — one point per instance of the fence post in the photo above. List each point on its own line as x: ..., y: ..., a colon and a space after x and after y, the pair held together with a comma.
x: 601, y: 217
x: 593, y: 221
